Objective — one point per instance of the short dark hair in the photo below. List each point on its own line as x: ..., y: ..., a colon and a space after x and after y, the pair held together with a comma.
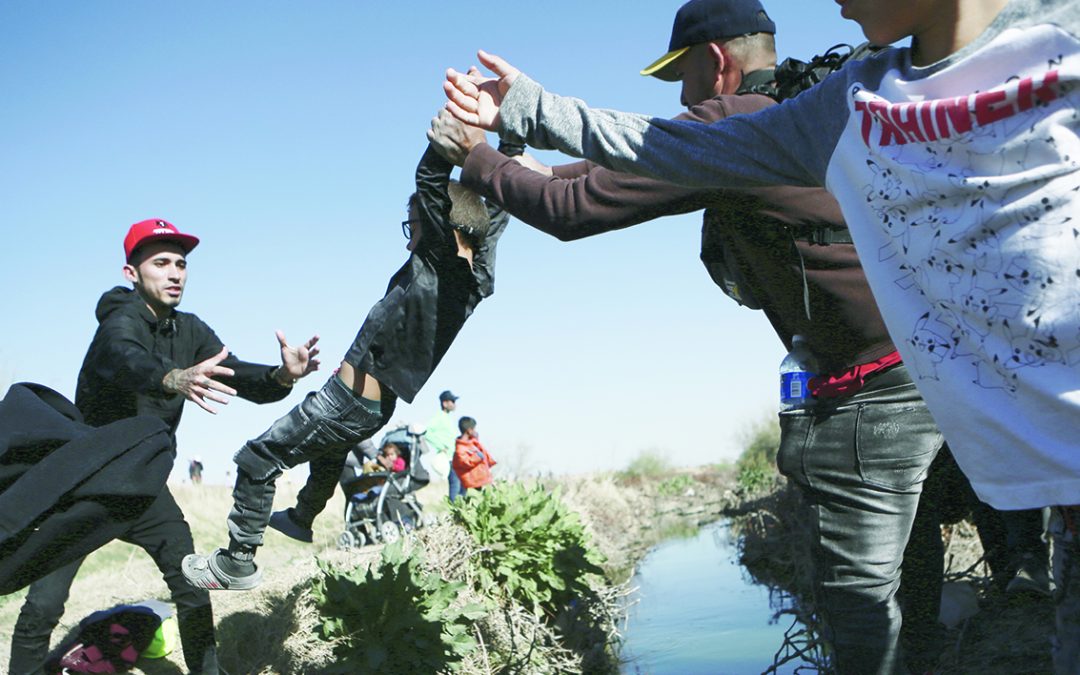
x: 468, y: 213
x: 466, y: 424
x: 467, y: 210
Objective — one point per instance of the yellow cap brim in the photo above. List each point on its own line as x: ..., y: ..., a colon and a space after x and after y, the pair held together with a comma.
x: 663, y: 67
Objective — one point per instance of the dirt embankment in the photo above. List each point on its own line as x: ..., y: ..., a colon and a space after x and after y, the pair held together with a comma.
x: 272, y: 630
x: 628, y: 515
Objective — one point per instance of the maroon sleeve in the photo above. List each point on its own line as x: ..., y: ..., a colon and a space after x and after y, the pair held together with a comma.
x: 583, y: 199
x: 572, y: 170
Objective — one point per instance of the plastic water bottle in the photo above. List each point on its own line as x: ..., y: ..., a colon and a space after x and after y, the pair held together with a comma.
x: 795, y: 372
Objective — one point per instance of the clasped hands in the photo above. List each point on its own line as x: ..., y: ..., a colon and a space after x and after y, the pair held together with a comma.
x: 472, y: 107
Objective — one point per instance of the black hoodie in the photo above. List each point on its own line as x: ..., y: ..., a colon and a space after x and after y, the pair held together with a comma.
x: 132, y: 351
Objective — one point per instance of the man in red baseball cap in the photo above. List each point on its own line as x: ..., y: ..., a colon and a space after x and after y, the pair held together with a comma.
x: 147, y: 358
x: 156, y: 229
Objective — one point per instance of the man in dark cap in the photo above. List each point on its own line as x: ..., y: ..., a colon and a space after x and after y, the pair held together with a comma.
x: 787, y: 252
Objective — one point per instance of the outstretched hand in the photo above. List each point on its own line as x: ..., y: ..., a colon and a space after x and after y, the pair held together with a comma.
x: 475, y: 99
x: 197, y: 383
x: 296, y: 362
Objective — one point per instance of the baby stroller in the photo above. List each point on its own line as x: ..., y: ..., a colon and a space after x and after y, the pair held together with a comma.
x: 380, y: 505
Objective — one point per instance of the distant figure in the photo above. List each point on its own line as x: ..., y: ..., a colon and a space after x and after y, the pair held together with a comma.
x: 195, y: 467
x: 472, y: 463
x: 440, y: 434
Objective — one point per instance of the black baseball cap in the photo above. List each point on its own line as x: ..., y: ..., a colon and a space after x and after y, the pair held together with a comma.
x: 447, y: 396
x: 701, y: 21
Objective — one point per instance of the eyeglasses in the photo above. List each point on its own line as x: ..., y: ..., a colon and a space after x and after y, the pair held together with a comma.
x: 406, y: 228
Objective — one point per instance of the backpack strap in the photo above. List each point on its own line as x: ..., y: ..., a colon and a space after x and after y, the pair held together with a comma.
x: 759, y: 82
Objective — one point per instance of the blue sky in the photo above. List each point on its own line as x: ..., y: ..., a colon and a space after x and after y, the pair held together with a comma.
x: 285, y: 136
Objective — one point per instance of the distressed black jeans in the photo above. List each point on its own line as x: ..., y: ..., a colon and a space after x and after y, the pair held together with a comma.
x: 860, y: 463
x: 321, y: 429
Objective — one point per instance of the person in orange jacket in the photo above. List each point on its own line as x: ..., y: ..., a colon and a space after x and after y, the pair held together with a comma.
x: 472, y: 463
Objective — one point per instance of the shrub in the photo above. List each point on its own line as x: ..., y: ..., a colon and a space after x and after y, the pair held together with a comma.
x: 756, y: 465
x: 396, y: 618
x: 676, y: 485
x: 648, y: 464
x: 533, y: 548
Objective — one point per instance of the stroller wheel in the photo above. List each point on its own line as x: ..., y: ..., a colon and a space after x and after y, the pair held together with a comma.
x: 389, y: 532
x: 348, y: 540
x: 428, y: 519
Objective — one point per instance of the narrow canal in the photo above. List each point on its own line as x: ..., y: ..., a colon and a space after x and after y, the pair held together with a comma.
x: 697, y: 613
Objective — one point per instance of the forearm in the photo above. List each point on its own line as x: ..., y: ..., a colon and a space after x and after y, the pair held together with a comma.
x: 571, y: 170
x: 256, y: 382
x: 741, y: 151
x: 596, y: 201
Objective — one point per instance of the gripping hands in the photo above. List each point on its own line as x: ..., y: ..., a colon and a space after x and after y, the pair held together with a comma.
x: 475, y: 99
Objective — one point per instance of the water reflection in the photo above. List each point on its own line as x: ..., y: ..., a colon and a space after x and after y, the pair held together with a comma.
x: 697, y: 613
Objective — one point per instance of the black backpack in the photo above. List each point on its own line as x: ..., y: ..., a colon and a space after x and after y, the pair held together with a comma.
x: 794, y: 76
x: 788, y: 80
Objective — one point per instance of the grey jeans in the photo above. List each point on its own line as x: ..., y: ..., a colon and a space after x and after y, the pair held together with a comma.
x: 860, y: 463
x: 1066, y: 648
x: 324, y: 426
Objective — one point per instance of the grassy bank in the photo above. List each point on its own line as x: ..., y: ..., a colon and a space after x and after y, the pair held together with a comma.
x: 623, y: 516
x: 447, y: 574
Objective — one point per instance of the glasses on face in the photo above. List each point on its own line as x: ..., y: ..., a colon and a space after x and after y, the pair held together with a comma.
x: 406, y: 228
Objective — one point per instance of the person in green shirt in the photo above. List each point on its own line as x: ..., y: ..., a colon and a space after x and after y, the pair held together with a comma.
x: 440, y: 435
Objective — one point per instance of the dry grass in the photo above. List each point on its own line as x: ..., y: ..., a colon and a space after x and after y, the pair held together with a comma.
x: 119, y: 573
x: 273, y: 628
x: 628, y: 516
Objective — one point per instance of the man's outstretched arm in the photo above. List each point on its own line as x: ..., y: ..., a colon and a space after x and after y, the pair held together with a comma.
x: 777, y: 146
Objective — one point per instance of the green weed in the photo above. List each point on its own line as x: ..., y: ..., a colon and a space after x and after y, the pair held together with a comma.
x: 533, y: 548
x: 394, y: 618
x: 676, y: 485
x: 756, y: 466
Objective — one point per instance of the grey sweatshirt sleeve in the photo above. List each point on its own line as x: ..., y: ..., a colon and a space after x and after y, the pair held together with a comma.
x: 788, y: 144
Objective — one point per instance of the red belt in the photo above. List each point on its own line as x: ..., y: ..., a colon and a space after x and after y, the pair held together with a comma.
x: 851, y: 381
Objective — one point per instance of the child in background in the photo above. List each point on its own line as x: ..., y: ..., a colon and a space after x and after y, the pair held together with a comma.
x: 389, y: 459
x: 472, y: 463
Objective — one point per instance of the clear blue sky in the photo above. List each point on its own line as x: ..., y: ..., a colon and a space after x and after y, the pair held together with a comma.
x: 285, y: 135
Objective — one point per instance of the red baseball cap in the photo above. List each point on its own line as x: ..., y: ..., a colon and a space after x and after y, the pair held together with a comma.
x: 156, y: 229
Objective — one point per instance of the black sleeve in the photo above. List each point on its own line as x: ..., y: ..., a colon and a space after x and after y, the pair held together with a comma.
x: 252, y: 381
x: 433, y: 202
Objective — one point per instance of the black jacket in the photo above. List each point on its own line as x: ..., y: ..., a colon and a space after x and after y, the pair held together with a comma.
x: 66, y: 487
x: 132, y: 351
x: 407, y: 333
